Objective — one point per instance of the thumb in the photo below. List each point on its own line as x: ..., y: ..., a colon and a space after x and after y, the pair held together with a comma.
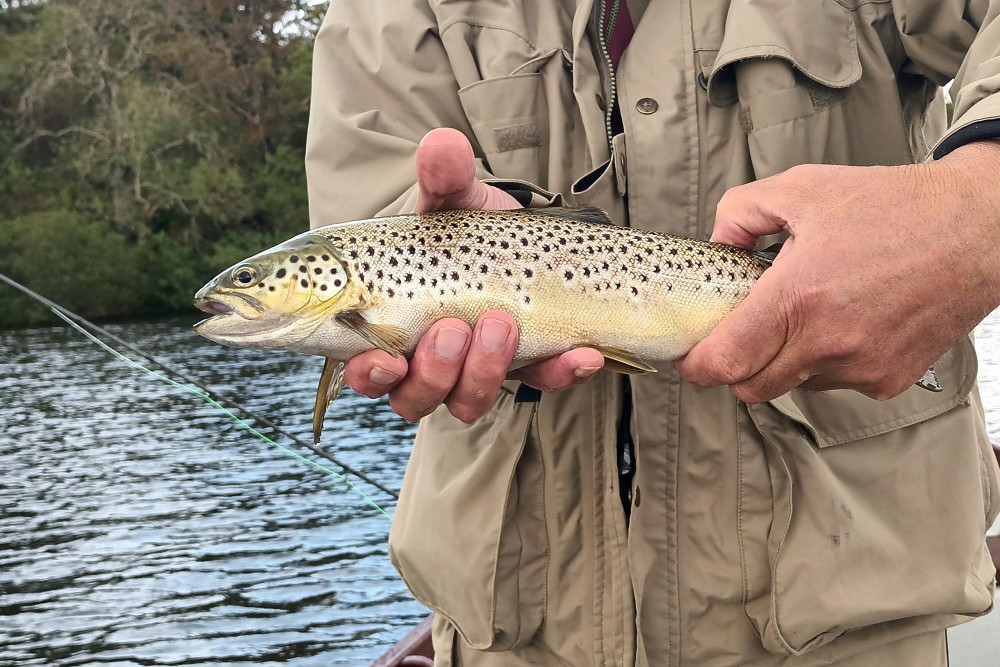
x: 446, y: 175
x: 743, y: 343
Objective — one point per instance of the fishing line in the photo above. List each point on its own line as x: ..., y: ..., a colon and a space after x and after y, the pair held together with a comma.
x: 203, y: 393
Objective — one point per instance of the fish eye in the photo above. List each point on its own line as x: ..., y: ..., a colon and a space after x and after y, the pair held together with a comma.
x: 244, y: 276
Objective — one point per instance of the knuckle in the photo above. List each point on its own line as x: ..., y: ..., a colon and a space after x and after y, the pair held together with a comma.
x: 747, y: 393
x: 464, y: 412
x: 726, y: 368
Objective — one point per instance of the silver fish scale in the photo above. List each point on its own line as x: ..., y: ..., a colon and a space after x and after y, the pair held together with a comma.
x: 562, y: 279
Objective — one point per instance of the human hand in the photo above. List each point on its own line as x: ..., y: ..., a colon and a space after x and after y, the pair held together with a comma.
x: 454, y: 364
x: 886, y: 268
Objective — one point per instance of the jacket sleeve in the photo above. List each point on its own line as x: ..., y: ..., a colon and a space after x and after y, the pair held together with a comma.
x: 381, y: 80
x: 957, y: 39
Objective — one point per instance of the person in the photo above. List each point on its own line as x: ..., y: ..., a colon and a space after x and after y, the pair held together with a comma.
x: 721, y: 511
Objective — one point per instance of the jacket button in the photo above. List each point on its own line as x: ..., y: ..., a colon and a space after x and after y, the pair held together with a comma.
x: 646, y: 105
x: 635, y: 495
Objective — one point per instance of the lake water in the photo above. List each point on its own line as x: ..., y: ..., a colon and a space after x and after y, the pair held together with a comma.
x: 140, y: 527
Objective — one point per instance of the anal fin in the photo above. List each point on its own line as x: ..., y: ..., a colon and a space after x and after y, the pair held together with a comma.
x: 622, y: 361
x: 330, y: 383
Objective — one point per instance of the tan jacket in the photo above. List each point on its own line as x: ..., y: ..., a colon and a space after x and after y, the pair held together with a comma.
x: 818, y: 528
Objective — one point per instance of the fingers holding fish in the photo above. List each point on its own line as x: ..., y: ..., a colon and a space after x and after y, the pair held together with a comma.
x: 569, y: 368
x: 742, y: 344
x: 494, y: 342
x: 433, y: 371
x: 374, y: 373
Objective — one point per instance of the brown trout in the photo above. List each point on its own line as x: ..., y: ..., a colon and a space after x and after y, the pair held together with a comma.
x: 568, y: 277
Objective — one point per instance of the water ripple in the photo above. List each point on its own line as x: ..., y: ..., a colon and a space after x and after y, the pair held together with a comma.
x: 138, y: 527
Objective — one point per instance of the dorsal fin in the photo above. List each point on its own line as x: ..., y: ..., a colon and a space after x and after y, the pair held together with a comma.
x: 588, y: 214
x: 768, y: 254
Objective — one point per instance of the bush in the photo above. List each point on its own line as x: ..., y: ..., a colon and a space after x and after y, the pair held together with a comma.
x: 78, y: 263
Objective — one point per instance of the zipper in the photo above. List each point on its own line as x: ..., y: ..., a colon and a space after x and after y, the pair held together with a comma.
x: 609, y: 69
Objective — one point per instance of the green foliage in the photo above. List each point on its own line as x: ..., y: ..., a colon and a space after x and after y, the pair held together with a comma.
x: 79, y: 263
x: 163, y: 140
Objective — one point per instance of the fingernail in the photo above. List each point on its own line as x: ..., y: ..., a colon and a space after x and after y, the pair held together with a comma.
x: 381, y: 376
x: 450, y: 343
x: 586, y: 371
x: 494, y: 334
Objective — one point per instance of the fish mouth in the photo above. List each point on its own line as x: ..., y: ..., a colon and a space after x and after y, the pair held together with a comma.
x: 207, y: 304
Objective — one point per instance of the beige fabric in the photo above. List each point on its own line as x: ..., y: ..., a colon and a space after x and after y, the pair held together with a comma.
x: 816, y: 529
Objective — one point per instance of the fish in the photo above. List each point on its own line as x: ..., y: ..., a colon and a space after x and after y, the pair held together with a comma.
x: 569, y: 278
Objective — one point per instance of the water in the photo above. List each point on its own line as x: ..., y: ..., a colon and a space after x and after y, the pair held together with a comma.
x: 138, y: 527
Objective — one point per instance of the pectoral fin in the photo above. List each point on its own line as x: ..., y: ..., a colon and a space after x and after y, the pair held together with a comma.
x: 330, y: 383
x: 383, y: 336
x: 622, y: 361
x: 930, y: 381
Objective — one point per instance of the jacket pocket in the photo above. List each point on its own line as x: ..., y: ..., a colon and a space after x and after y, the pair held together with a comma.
x: 468, y: 537
x: 792, y: 68
x: 510, y: 117
x: 855, y: 512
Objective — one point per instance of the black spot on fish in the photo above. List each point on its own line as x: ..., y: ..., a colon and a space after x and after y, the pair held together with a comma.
x: 422, y: 281
x: 393, y: 261
x: 271, y: 288
x: 302, y: 268
x: 568, y: 275
x: 454, y: 275
x: 312, y: 258
x: 483, y: 268
x: 528, y: 273
x: 409, y: 295
x: 708, y: 277
x: 635, y: 292
x: 390, y: 292
x: 326, y: 258
x: 317, y: 270
x: 527, y: 300
x: 673, y: 251
x: 281, y: 273
x: 294, y: 259
x: 464, y: 249
x: 305, y: 283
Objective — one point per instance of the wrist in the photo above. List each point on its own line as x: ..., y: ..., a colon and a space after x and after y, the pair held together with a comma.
x: 970, y: 183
